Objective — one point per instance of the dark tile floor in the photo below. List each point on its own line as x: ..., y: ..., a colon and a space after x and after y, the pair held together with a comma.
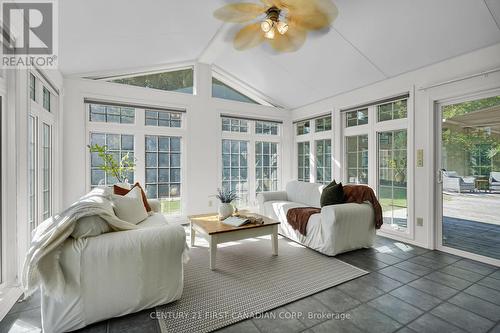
x: 409, y: 289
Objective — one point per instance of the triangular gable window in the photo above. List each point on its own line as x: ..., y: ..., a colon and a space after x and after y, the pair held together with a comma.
x: 177, y: 81
x: 222, y: 90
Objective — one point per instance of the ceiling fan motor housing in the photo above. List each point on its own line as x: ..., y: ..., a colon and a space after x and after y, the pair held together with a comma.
x: 273, y: 14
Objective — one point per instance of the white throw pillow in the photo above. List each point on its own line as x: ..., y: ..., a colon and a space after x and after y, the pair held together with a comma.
x: 130, y: 207
x: 90, y: 226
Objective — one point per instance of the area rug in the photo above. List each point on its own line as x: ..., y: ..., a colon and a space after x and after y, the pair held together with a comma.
x: 248, y: 281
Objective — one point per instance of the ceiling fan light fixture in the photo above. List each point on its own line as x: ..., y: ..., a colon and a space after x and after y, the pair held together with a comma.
x: 282, y: 27
x: 269, y: 34
x: 267, y: 25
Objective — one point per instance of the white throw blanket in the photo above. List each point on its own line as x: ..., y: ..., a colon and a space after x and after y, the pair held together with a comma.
x: 41, y: 265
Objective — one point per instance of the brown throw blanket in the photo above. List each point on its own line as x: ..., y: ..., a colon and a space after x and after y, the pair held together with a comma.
x: 299, y: 217
x: 362, y: 193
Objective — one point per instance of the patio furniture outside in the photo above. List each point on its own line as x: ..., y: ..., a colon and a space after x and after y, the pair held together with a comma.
x: 494, y: 181
x: 452, y: 182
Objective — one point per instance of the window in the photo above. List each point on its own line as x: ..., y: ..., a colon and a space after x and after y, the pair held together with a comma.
x: 263, y: 127
x: 303, y: 161
x: 303, y: 127
x: 177, y: 81
x: 32, y: 166
x: 42, y: 120
x: 357, y: 159
x: 163, y: 118
x: 266, y: 166
x: 154, y: 142
x: 47, y: 170
x: 118, y: 145
x: 323, y: 124
x: 111, y: 114
x: 163, y: 171
x: 357, y: 118
x: 250, y: 157
x: 376, y: 155
x: 323, y: 161
x: 32, y: 87
x: 393, y: 110
x: 314, y: 150
x: 234, y: 125
x: 46, y: 99
x: 392, y: 182
x: 222, y: 90
x: 235, y: 168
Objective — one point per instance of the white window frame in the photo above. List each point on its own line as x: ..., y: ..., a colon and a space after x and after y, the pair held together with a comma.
x: 251, y: 138
x: 139, y: 130
x: 312, y: 137
x: 372, y: 129
x: 43, y: 116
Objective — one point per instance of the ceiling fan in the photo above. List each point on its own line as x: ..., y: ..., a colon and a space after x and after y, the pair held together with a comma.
x: 284, y: 24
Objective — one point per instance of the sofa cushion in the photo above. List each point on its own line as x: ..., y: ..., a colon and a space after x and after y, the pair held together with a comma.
x: 333, y: 194
x: 277, y: 209
x: 305, y: 193
x: 154, y: 220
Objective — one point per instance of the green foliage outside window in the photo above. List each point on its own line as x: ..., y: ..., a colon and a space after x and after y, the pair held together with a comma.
x: 116, y: 168
x: 178, y: 81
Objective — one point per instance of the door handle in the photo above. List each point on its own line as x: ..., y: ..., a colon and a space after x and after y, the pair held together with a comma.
x: 440, y: 176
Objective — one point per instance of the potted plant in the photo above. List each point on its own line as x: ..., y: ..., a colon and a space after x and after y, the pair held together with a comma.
x: 225, y: 197
x: 111, y: 166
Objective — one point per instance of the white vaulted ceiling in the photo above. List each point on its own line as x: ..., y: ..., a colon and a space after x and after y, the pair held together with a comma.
x: 371, y: 40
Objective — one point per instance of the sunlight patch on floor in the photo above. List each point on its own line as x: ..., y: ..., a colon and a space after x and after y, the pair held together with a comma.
x: 403, y: 247
x: 296, y: 245
x: 384, y: 249
x: 228, y: 244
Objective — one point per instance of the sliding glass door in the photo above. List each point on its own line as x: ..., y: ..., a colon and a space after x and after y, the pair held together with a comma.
x: 469, y: 176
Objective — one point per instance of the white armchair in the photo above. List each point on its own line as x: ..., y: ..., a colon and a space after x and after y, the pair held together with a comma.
x: 454, y: 183
x: 117, y: 273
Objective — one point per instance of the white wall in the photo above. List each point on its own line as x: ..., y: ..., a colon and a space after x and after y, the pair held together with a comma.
x: 423, y: 105
x: 202, y: 139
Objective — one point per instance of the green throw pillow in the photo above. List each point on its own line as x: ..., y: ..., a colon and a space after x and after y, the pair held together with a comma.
x: 331, y: 184
x: 333, y: 194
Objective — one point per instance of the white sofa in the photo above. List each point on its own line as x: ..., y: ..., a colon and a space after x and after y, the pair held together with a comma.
x: 117, y: 273
x: 337, y: 229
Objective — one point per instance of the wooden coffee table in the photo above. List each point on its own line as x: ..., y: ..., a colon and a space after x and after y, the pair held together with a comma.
x: 216, y: 232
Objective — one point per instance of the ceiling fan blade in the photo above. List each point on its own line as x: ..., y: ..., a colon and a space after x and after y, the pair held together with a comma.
x: 293, y: 40
x: 273, y: 3
x: 318, y: 14
x: 248, y: 37
x: 239, y: 12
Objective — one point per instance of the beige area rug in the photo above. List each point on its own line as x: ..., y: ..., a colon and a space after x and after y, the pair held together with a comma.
x: 248, y: 281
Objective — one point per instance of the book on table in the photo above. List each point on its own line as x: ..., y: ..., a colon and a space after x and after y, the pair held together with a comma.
x: 238, y: 221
